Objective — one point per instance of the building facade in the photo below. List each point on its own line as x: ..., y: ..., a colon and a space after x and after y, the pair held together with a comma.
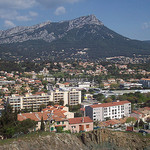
x: 28, y: 101
x: 113, y: 110
x: 145, y: 83
x: 70, y: 97
x: 33, y: 102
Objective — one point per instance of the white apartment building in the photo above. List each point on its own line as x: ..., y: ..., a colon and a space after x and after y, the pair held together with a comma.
x: 113, y: 110
x: 71, y: 97
x: 28, y: 101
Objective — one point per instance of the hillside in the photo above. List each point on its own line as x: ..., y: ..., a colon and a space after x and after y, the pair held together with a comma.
x: 98, y: 139
x: 84, y: 37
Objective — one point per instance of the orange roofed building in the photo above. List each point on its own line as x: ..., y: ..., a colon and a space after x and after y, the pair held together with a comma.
x: 57, y: 116
x: 80, y: 124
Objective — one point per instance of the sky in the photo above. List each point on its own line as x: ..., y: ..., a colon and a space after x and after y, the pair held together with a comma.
x: 130, y: 18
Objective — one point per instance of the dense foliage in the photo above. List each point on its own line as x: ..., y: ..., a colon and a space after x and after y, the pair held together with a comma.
x: 10, y: 126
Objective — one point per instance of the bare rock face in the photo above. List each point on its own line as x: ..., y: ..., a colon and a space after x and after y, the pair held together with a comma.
x: 49, y: 142
x: 106, y: 139
x: 95, y: 140
x: 40, y: 31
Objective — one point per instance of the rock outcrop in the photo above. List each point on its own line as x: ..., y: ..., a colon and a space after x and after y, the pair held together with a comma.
x: 95, y: 140
x: 107, y: 139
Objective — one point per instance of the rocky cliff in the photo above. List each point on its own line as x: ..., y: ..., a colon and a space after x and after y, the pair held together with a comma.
x: 98, y: 139
x: 107, y: 139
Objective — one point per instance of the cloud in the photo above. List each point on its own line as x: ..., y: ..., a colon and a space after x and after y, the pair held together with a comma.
x: 25, y: 4
x: 17, y: 4
x: 60, y: 10
x: 55, y: 3
x: 33, y: 14
x: 14, y: 15
x: 9, y: 24
x: 146, y: 25
x: 23, y: 18
x: 8, y: 14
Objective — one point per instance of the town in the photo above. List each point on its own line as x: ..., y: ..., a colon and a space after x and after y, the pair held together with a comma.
x: 74, y: 97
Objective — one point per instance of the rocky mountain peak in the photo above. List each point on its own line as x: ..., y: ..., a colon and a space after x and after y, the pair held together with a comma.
x: 81, y: 21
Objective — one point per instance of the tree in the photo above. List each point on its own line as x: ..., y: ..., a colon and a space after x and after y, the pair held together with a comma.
x: 148, y: 120
x: 59, y: 129
x: 82, y: 94
x: 141, y: 123
x: 61, y: 102
x: 101, y: 85
x: 42, y: 125
x: 99, y: 97
x: 131, y: 120
x: 50, y: 103
x: 42, y: 106
x: 114, y: 86
x: 108, y: 100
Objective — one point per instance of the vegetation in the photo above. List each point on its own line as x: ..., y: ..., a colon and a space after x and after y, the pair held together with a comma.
x: 9, y: 125
x: 42, y: 125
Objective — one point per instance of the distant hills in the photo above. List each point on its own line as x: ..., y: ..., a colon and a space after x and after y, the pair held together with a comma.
x: 82, y: 38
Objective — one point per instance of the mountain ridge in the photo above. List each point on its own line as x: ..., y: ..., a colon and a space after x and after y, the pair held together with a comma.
x: 67, y: 40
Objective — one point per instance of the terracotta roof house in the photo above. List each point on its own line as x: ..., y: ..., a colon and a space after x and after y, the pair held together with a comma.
x: 79, y: 124
x: 54, y: 119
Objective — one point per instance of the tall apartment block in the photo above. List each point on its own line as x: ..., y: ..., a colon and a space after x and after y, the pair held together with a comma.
x: 113, y: 110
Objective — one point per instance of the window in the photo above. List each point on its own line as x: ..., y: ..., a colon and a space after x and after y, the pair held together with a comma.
x: 87, y: 126
x: 58, y: 122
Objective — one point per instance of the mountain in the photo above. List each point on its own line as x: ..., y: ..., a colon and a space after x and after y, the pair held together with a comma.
x: 82, y: 38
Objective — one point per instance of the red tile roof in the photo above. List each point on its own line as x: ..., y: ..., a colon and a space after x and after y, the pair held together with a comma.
x: 36, y: 116
x: 137, y: 112
x: 80, y: 120
x: 110, y: 104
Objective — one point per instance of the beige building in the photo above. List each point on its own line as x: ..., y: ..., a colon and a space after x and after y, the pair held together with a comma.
x: 57, y: 96
x: 29, y: 101
x: 71, y: 97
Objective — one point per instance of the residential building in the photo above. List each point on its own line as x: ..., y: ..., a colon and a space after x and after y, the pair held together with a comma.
x: 145, y: 82
x: 57, y: 118
x: 70, y: 97
x: 59, y: 108
x: 28, y: 101
x: 74, y: 97
x: 128, y: 85
x: 59, y: 95
x: 33, y: 101
x: 84, y: 84
x: 113, y: 110
x: 80, y: 124
x: 51, y: 120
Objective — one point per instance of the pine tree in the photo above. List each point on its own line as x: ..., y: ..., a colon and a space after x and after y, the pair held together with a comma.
x: 42, y: 124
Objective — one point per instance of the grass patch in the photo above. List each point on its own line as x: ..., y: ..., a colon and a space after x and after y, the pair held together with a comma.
x: 26, y: 137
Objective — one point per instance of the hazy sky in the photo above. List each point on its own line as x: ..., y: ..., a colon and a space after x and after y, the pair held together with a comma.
x: 130, y: 18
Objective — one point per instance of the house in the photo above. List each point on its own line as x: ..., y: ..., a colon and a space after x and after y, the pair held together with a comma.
x: 79, y: 124
x: 58, y: 108
x: 141, y: 113
x: 51, y: 120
